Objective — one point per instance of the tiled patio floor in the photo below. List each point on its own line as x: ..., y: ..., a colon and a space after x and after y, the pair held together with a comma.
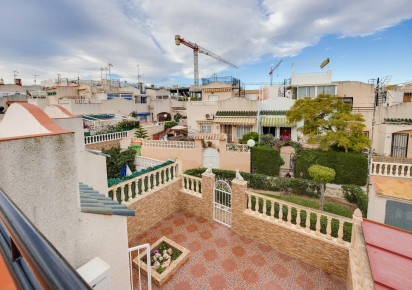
x: 221, y: 259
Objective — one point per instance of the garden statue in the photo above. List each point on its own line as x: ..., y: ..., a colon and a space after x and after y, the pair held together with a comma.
x: 238, y: 176
x: 209, y: 169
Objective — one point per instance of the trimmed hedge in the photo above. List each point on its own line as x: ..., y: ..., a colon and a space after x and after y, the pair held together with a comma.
x: 355, y: 194
x: 114, y: 181
x: 266, y: 160
x: 350, y: 168
x: 117, y: 159
x: 259, y: 181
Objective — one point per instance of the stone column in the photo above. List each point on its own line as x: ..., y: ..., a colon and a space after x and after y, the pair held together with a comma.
x: 239, y: 202
x: 208, y: 180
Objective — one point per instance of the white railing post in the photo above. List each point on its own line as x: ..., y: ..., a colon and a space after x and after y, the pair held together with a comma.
x: 148, y: 263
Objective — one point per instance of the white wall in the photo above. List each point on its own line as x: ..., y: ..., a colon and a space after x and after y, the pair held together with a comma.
x: 40, y: 176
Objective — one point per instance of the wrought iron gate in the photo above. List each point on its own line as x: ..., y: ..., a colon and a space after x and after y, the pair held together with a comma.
x: 222, y: 202
x: 399, y: 145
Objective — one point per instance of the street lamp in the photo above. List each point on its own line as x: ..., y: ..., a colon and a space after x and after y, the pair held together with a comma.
x: 250, y: 144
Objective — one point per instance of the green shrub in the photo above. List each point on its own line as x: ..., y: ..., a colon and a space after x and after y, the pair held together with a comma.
x: 266, y: 161
x: 170, y: 124
x: 355, y: 194
x: 117, y: 159
x: 127, y: 124
x: 251, y: 135
x: 350, y: 168
x: 267, y: 140
x: 259, y: 181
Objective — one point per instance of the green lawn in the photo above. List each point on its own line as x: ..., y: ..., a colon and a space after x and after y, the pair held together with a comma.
x: 331, y: 207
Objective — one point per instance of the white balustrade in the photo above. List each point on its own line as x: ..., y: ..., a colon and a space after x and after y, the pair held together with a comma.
x: 143, y: 184
x: 204, y: 103
x: 307, y: 220
x: 192, y: 185
x: 237, y: 147
x: 169, y: 144
x: 105, y: 137
x: 391, y: 169
x: 64, y: 101
x: 87, y: 101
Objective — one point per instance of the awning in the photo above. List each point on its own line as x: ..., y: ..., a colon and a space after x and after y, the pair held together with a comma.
x: 236, y: 120
x: 205, y: 121
x: 275, y: 121
x: 142, y: 114
x: 210, y: 136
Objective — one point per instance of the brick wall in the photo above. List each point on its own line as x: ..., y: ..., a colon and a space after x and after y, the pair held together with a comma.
x: 389, y: 159
x: 323, y: 255
x: 153, y: 208
x: 105, y: 145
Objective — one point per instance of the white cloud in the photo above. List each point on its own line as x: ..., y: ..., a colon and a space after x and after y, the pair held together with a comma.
x: 76, y: 38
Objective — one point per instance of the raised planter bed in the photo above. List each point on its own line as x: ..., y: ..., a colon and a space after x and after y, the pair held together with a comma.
x: 177, y: 258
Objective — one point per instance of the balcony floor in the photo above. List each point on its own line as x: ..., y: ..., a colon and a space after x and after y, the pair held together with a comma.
x: 221, y: 259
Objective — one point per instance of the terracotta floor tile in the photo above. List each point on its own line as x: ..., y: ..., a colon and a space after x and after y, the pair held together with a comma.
x: 239, y: 286
x: 280, y: 271
x: 200, y: 220
x: 307, y: 269
x: 167, y: 231
x: 271, y: 284
x: 195, y: 247
x: 238, y: 251
x: 210, y: 256
x: 197, y: 271
x: 245, y: 241
x: 229, y: 265
x: 221, y: 242
x: 250, y: 277
x: 285, y: 259
x: 180, y: 238
x: 183, y: 284
x: 302, y: 281
x: 205, y: 235
x: 214, y: 226
x: 258, y: 260
x: 191, y: 228
x: 179, y: 222
x: 188, y: 215
x: 217, y: 281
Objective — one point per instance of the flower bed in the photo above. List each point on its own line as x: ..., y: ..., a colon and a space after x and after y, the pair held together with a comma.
x: 165, y: 258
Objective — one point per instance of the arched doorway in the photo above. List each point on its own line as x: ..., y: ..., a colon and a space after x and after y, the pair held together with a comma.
x: 222, y: 202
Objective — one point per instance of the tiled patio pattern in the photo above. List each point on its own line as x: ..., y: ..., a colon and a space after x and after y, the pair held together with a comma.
x: 221, y: 259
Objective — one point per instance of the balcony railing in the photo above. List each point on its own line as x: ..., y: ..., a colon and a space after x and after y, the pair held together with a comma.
x: 192, y: 185
x: 31, y: 260
x: 169, y: 144
x: 237, y: 147
x: 391, y: 169
x: 105, y: 137
x: 87, y: 101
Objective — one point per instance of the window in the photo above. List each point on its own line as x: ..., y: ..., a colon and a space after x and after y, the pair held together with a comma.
x: 206, y: 128
x: 366, y: 133
x: 306, y: 92
x: 348, y: 100
x: 242, y: 130
x: 143, y: 118
x: 328, y: 90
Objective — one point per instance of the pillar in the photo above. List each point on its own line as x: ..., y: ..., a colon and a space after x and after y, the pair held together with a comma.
x: 208, y: 181
x: 239, y: 202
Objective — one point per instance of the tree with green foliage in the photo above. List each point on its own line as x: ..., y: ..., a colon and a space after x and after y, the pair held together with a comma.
x: 322, y: 175
x: 267, y: 140
x: 141, y: 132
x: 117, y: 159
x: 251, y: 135
x: 329, y: 122
x: 170, y: 124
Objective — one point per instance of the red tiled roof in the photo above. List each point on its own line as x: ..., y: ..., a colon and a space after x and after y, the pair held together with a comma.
x: 390, y: 255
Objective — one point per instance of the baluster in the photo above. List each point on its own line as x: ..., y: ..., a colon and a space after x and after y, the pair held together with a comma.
x: 280, y: 212
x: 264, y: 209
x: 289, y: 215
x: 317, y: 224
x: 391, y: 169
x: 307, y: 229
x: 183, y: 180
x: 122, y: 194
x: 298, y: 218
x: 329, y: 228
x: 256, y: 205
x: 340, y: 232
x: 130, y: 192
x: 272, y: 211
x: 154, y: 180
x: 249, y: 203
x: 408, y: 172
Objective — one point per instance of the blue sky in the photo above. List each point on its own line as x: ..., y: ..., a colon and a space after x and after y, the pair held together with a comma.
x: 75, y: 38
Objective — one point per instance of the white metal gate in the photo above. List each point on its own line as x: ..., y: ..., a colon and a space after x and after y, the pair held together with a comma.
x: 211, y: 156
x: 222, y: 202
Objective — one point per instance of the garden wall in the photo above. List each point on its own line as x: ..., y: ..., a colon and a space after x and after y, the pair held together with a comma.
x: 234, y: 160
x: 105, y: 145
x: 153, y: 208
x: 321, y: 254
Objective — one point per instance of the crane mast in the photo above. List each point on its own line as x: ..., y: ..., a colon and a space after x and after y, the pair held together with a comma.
x: 272, y: 70
x: 196, y: 49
